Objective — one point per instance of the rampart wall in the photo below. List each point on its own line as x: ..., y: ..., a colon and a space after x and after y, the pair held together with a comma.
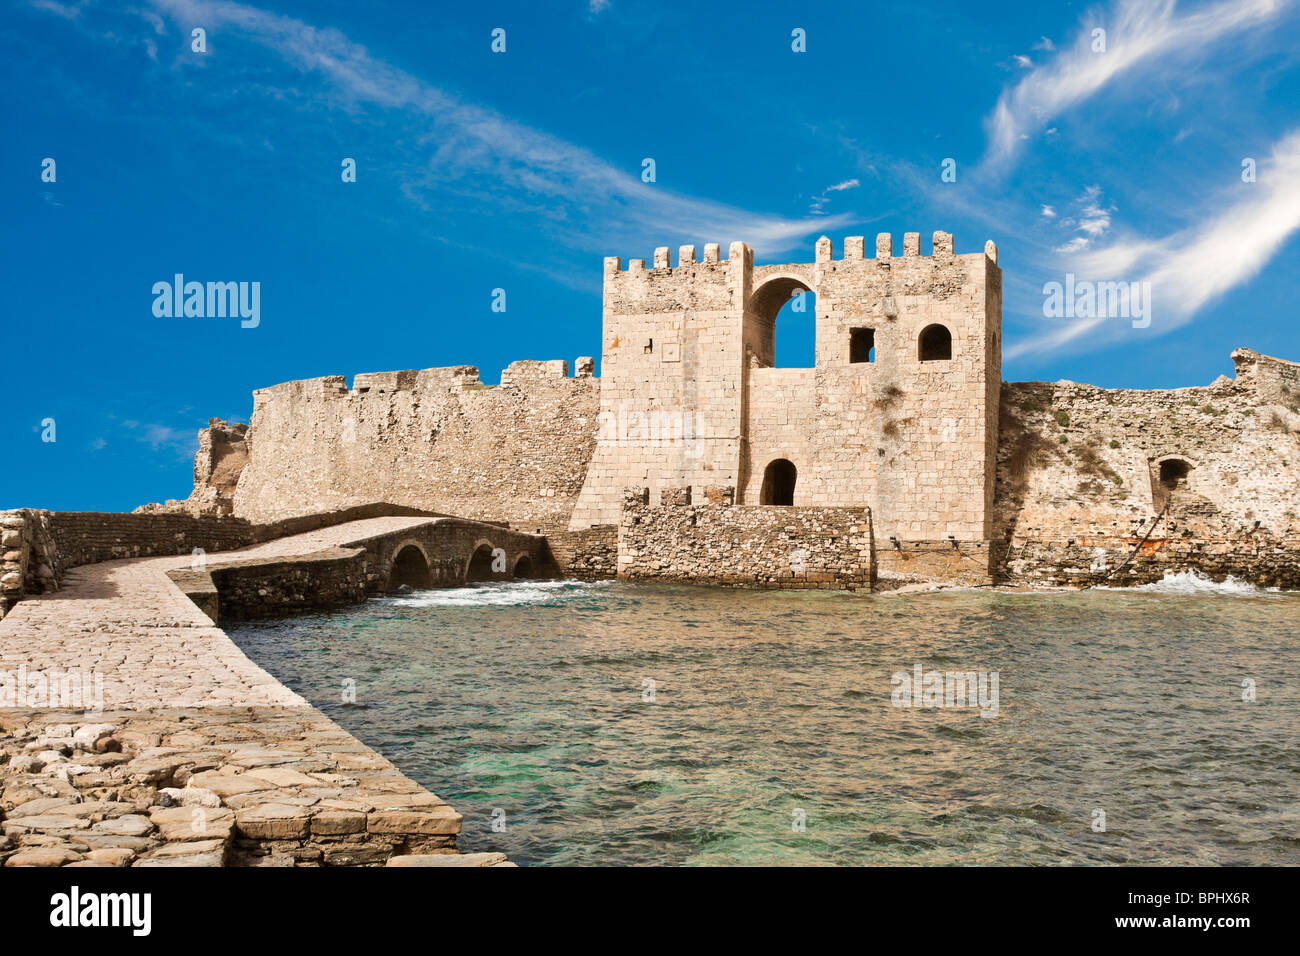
x: 1080, y: 479
x: 436, y: 439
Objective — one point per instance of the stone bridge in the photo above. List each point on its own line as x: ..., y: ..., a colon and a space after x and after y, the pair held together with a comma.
x: 450, y: 552
x: 354, y: 560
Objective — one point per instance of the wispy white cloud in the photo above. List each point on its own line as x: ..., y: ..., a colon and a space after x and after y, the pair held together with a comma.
x: 819, y: 202
x: 1091, y: 221
x: 1138, y: 33
x: 483, y: 153
x: 182, y: 442
x: 1193, y: 267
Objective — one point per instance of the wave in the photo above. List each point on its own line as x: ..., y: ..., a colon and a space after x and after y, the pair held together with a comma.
x: 498, y: 594
x: 1193, y: 582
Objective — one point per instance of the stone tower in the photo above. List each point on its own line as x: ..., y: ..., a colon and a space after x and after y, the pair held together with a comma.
x: 899, y: 412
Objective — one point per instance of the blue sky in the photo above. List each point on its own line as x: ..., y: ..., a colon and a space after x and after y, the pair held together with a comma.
x: 520, y: 170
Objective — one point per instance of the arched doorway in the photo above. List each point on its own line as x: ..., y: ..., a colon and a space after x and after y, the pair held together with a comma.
x: 410, y: 568
x: 480, y: 565
x: 1169, y: 474
x: 523, y: 567
x: 778, y: 483
x: 785, y: 309
x: 1174, y: 472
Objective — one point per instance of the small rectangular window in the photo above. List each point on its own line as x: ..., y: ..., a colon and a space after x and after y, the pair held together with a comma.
x: 862, y: 345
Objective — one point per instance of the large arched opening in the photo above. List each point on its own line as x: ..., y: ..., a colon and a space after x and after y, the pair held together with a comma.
x: 785, y: 309
x: 778, y: 483
x: 410, y: 568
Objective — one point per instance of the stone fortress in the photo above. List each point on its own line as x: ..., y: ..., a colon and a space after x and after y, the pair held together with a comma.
x: 900, y: 457
x: 964, y: 477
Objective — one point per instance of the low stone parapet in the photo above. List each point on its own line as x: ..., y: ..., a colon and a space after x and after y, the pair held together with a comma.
x: 589, y: 553
x: 273, y: 587
x: 1259, y: 558
x: 758, y: 547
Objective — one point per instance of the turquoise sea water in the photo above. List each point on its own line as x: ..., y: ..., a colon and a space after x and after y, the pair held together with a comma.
x: 528, y: 706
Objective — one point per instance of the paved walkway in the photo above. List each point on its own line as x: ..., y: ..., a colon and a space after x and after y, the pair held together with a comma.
x: 200, y: 757
x: 129, y: 622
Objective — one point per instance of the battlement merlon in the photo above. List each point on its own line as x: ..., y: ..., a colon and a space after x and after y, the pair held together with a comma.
x: 716, y: 283
x: 521, y: 374
x: 942, y: 247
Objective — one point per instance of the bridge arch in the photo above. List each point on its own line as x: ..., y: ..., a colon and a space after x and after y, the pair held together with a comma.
x: 772, y: 302
x: 523, y: 568
x: 410, y: 566
x: 478, y: 566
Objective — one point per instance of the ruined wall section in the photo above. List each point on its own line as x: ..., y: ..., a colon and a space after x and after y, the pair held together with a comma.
x: 1079, y: 479
x: 435, y: 439
x: 218, y: 464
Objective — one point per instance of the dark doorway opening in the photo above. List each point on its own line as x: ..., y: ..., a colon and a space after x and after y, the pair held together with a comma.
x: 1173, y: 472
x: 524, y: 567
x: 778, y: 483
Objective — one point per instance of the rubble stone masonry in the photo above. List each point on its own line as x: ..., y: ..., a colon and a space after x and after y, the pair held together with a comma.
x: 719, y: 543
x: 1080, y: 479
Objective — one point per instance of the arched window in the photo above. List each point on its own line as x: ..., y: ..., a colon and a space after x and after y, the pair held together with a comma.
x: 1173, y: 472
x: 1169, y: 475
x: 935, y: 344
x: 778, y: 483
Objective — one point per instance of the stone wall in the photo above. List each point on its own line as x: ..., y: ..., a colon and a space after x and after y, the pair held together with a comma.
x: 29, y: 556
x: 436, y: 439
x: 589, y: 553
x: 764, y: 547
x: 900, y: 561
x: 263, y: 588
x: 86, y: 537
x: 1079, y: 479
